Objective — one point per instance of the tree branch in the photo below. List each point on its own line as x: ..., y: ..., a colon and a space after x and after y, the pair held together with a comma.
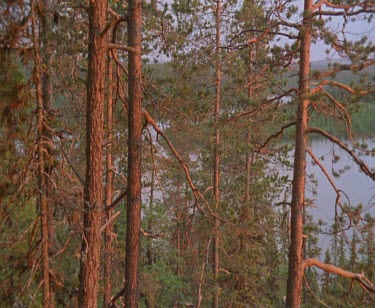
x: 339, y: 85
x: 154, y: 236
x: 112, y: 218
x: 360, y: 278
x: 344, y: 67
x: 343, y: 146
x: 280, y: 132
x: 116, y: 201
x: 122, y: 47
x: 195, y: 190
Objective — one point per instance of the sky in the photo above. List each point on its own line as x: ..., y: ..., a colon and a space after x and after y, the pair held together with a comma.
x: 355, y: 30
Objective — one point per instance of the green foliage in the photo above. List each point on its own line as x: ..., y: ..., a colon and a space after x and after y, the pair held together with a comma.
x: 179, y: 92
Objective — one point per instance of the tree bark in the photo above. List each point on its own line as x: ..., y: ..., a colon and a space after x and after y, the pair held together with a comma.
x: 47, y: 89
x: 295, y: 273
x: 134, y: 155
x: 108, y: 254
x: 42, y: 204
x: 93, y: 194
x: 216, y: 179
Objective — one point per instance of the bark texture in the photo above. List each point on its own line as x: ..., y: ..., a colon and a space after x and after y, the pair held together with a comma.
x: 42, y: 204
x: 216, y: 177
x: 108, y: 253
x: 134, y: 155
x: 93, y: 191
x: 295, y: 273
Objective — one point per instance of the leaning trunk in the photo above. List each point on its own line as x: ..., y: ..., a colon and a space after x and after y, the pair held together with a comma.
x: 134, y: 155
x: 295, y: 274
x: 93, y: 195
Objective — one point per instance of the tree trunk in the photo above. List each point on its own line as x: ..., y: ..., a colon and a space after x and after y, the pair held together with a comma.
x: 42, y: 204
x: 134, y: 155
x: 250, y: 94
x: 93, y: 194
x: 108, y: 254
x: 216, y: 180
x: 47, y: 89
x: 295, y: 274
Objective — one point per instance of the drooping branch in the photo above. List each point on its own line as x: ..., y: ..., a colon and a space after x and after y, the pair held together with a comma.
x: 346, y: 116
x: 75, y: 171
x: 336, y: 189
x: 197, y: 194
x: 343, y: 146
x: 360, y: 278
x: 280, y: 132
x: 329, y: 178
x: 116, y: 201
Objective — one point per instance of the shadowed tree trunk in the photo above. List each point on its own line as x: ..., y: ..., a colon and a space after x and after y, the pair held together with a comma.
x: 295, y: 273
x: 42, y: 203
x: 108, y: 254
x: 93, y: 194
x: 134, y: 155
x: 216, y: 179
x: 47, y: 135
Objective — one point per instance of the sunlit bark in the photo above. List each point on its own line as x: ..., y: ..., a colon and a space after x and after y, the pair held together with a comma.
x: 133, y: 226
x: 93, y: 190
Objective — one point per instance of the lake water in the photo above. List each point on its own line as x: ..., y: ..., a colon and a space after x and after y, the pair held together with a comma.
x: 359, y: 188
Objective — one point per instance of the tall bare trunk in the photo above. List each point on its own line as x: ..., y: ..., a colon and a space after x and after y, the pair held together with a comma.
x: 42, y: 203
x: 93, y: 194
x: 216, y: 179
x: 134, y: 155
x: 295, y: 274
x: 178, y: 231
x: 250, y: 93
x: 47, y: 89
x: 109, y: 189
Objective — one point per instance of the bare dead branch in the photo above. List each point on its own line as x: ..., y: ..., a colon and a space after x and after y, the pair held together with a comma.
x: 112, y: 218
x: 280, y: 132
x: 122, y: 47
x: 116, y: 297
x: 116, y: 201
x: 79, y: 177
x: 154, y: 236
x: 197, y: 194
x: 329, y: 178
x: 312, y: 292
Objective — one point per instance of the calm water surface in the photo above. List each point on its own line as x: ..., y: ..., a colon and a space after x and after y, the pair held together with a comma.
x: 358, y: 187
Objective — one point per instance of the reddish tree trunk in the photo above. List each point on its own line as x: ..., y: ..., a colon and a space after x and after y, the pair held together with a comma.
x: 295, y: 274
x: 42, y: 204
x: 109, y: 190
x: 134, y: 155
x: 216, y: 179
x: 93, y: 194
